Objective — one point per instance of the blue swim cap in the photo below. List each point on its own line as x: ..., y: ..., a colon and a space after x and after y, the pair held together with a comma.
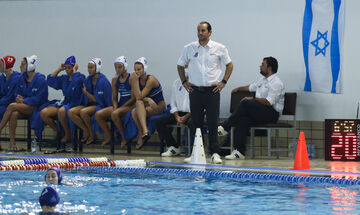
x: 49, y: 197
x: 70, y: 61
x: 57, y: 172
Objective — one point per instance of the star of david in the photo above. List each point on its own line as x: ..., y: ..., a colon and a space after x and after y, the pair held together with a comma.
x: 315, y: 43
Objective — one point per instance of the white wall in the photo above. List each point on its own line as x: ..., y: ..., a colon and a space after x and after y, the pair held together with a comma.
x: 158, y: 30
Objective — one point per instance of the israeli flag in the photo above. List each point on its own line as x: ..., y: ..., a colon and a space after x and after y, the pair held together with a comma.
x: 323, y: 29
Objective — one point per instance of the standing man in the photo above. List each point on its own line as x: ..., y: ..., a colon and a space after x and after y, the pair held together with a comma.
x: 205, y: 58
x: 266, y: 107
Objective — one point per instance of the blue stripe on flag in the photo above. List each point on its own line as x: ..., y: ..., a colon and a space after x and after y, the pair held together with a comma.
x: 307, y: 22
x: 334, y: 48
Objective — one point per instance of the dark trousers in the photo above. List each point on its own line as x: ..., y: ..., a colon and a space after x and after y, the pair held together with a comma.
x: 248, y: 113
x: 203, y: 100
x: 165, y: 132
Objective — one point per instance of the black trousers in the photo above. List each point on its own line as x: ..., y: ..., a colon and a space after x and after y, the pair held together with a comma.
x: 249, y: 113
x: 203, y: 100
x: 165, y: 132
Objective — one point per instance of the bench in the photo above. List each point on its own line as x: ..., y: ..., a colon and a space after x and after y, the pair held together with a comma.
x: 28, y: 135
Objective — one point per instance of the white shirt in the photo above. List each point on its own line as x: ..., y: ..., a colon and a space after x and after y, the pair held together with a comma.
x: 205, y: 63
x: 179, y: 98
x: 271, y: 88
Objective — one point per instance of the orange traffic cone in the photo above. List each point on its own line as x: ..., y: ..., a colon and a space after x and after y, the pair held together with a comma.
x: 301, y: 157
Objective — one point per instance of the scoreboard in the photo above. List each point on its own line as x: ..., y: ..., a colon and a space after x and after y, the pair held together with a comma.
x: 342, y: 140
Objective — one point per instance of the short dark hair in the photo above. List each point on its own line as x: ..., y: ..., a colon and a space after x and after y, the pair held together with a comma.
x: 208, y: 25
x: 272, y: 62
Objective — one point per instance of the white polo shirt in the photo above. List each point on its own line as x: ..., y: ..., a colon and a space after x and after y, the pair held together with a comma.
x: 205, y: 63
x: 179, y: 98
x: 271, y: 88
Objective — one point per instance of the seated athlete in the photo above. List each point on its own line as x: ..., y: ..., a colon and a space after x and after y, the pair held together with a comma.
x: 71, y: 85
x: 121, y: 106
x: 97, y: 91
x: 31, y: 93
x: 149, y: 98
x: 8, y: 81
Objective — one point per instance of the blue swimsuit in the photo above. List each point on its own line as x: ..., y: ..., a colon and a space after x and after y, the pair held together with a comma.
x: 155, y: 93
x: 124, y: 89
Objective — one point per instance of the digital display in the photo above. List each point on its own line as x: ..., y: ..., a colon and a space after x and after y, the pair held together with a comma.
x: 341, y: 140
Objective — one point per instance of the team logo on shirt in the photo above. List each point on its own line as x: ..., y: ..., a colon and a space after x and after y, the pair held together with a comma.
x: 180, y: 88
x: 34, y: 89
x: 196, y: 54
x: 73, y: 88
x: 101, y: 93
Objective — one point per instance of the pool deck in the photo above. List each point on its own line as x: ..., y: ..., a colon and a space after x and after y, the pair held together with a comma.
x: 260, y: 164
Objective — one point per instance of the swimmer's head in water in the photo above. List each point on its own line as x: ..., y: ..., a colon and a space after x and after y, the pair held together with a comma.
x: 49, y: 197
x: 53, y: 176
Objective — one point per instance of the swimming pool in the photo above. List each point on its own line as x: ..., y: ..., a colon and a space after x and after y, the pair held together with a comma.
x: 100, y: 190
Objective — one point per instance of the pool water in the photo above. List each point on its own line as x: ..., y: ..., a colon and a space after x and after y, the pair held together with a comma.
x: 124, y: 193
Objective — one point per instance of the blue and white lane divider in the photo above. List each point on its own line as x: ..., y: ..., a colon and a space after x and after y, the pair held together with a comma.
x: 139, y: 164
x: 258, y: 169
x: 50, y: 160
x: 35, y: 159
x: 45, y: 163
x: 241, y: 176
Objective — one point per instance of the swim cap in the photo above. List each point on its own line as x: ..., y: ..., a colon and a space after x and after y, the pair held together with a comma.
x: 144, y: 62
x: 8, y: 61
x: 123, y: 61
x: 49, y: 197
x: 57, y: 172
x: 70, y: 61
x: 31, y: 63
x: 97, y: 62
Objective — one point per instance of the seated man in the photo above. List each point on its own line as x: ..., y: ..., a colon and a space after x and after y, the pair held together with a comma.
x: 179, y: 114
x: 264, y: 108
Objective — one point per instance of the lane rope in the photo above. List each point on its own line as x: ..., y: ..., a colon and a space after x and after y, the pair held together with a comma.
x: 46, y: 163
x: 102, y: 164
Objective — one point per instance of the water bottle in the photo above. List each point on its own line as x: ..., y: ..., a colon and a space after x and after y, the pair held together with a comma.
x: 313, y: 153
x: 291, y: 149
x: 308, y: 148
x: 183, y: 144
x: 33, y: 145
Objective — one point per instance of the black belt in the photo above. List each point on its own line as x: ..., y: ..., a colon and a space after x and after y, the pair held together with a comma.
x: 203, y: 89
